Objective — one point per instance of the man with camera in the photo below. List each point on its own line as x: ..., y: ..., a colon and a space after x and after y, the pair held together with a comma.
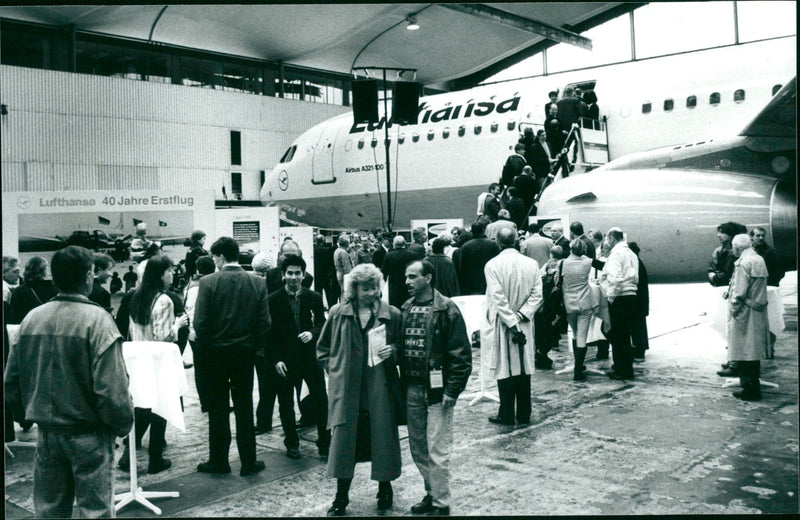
x: 513, y: 293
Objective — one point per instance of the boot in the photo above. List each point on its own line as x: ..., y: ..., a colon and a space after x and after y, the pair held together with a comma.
x: 580, y: 368
x: 602, y: 350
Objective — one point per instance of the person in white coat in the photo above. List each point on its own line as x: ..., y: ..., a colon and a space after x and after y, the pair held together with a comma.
x: 513, y: 293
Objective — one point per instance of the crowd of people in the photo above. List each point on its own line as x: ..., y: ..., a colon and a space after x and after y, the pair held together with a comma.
x: 402, y: 357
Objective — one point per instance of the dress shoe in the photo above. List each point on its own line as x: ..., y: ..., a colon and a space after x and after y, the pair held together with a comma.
x: 385, y: 498
x: 261, y: 430
x: 728, y: 372
x: 158, y: 465
x: 439, y: 511
x: 252, y: 470
x: 523, y: 422
x: 187, y: 365
x: 208, y: 467
x: 293, y: 453
x: 422, y: 507
x: 744, y: 395
x: 498, y: 420
x: 125, y: 461
x: 619, y: 377
x: 339, y: 508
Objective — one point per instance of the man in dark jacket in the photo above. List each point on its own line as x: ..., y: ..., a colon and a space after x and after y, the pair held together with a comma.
x: 444, y: 276
x: 380, y: 252
x: 527, y: 187
x: 394, y: 268
x: 513, y: 166
x: 435, y: 363
x: 471, y: 260
x: 231, y: 320
x: 639, y: 339
x: 539, y: 157
x: 275, y: 275
x: 297, y: 316
x: 576, y: 231
x: 103, y: 264
x: 417, y: 247
x: 324, y: 271
x: 774, y: 268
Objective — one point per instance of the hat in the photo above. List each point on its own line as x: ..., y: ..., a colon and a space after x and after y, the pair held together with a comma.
x: 262, y: 262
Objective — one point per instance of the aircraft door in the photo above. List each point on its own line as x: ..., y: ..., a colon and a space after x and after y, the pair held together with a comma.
x: 322, y: 162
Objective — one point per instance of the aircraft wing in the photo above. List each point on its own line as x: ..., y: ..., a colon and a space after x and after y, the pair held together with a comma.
x: 779, y: 117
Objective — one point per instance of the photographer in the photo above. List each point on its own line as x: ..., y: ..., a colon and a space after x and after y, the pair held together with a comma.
x: 513, y: 293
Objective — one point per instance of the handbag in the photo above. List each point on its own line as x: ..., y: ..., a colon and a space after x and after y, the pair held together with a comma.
x: 556, y: 310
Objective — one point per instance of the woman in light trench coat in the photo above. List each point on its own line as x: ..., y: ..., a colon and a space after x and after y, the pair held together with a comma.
x: 748, y: 328
x: 363, y: 401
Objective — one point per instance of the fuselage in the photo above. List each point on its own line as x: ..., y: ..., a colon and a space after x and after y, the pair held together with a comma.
x: 334, y: 175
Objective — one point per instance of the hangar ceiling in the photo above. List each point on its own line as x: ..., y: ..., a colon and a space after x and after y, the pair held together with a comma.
x: 454, y: 41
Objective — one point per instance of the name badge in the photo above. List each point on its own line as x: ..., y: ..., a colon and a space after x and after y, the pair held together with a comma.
x: 436, y: 379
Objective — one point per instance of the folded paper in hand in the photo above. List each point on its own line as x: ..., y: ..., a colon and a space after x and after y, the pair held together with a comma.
x: 377, y: 339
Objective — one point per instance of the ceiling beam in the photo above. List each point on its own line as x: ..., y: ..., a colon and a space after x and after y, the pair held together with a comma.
x: 520, y: 22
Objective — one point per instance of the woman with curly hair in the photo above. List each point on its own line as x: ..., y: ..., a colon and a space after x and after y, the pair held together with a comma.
x: 35, y: 290
x: 364, y: 401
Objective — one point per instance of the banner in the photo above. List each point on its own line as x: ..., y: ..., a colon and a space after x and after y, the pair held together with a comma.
x: 40, y: 223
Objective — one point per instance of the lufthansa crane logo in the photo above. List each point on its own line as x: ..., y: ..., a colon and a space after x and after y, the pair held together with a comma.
x: 24, y: 202
x: 283, y: 180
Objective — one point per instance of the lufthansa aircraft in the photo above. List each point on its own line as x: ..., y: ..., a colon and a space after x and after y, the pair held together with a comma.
x: 672, y: 199
x: 334, y: 174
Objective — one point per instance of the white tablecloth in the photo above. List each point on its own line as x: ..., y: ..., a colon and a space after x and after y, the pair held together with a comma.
x: 158, y: 378
x: 718, y: 315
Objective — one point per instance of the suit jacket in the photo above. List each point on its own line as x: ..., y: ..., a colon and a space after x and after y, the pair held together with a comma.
x: 100, y: 295
x: 283, y: 344
x: 275, y: 280
x: 232, y: 311
x: 394, y: 270
x: 540, y: 160
x: 378, y: 256
x: 469, y: 268
x: 564, y: 243
x: 324, y: 269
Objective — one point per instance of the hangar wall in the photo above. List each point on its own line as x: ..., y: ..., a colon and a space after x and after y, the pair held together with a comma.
x: 67, y: 131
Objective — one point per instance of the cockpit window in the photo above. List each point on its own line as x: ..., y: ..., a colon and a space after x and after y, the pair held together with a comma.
x: 287, y: 157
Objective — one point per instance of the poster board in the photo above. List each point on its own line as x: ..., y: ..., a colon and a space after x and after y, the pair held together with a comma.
x: 436, y: 227
x: 254, y: 229
x: 304, y: 236
x: 40, y: 223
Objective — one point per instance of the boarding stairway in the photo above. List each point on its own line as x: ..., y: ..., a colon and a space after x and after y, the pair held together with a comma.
x: 587, y: 141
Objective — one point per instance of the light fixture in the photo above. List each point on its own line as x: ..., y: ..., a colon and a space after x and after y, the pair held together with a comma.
x: 412, y: 23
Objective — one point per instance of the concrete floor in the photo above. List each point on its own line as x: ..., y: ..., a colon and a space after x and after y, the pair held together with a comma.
x: 671, y: 442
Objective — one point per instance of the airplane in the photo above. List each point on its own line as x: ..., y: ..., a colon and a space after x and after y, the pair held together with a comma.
x: 671, y: 200
x: 333, y: 175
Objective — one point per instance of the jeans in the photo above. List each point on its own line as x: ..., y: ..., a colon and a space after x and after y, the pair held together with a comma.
x: 71, y: 467
x: 430, y: 437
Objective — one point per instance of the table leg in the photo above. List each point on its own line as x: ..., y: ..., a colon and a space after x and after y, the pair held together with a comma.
x: 136, y: 494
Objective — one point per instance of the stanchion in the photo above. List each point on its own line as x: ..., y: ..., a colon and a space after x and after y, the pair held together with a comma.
x: 136, y: 494
x: 18, y: 444
x: 734, y: 381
